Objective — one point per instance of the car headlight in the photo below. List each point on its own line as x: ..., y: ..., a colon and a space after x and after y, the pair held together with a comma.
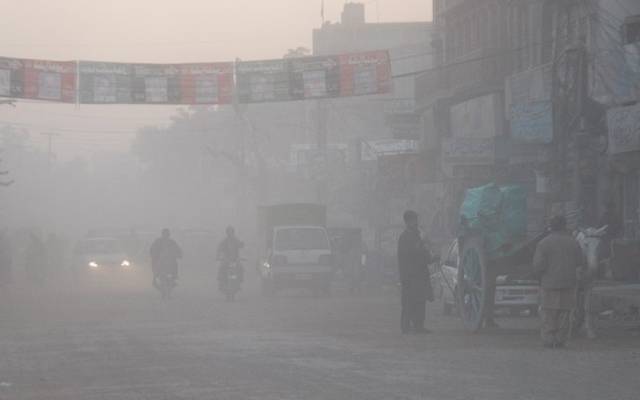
x: 125, y: 263
x: 93, y: 264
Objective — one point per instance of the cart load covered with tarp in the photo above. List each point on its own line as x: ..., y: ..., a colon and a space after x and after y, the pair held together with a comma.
x: 493, y: 241
x: 498, y: 214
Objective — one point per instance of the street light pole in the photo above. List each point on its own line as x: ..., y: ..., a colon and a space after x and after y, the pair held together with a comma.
x: 50, y: 136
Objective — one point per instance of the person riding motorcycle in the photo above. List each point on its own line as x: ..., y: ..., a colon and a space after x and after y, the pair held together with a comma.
x: 229, y: 253
x: 165, y: 253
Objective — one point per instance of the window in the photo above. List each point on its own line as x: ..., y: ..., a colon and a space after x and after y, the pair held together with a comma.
x: 632, y: 30
x: 301, y: 239
x: 98, y: 246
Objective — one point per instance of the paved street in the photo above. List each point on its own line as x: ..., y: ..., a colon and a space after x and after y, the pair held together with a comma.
x: 73, y: 342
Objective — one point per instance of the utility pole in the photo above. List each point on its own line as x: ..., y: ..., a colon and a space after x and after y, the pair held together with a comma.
x: 569, y: 90
x: 50, y: 136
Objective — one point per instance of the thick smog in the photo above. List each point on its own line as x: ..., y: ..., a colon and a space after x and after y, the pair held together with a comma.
x: 320, y: 199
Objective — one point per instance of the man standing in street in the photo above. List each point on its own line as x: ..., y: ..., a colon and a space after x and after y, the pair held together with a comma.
x: 557, y: 259
x: 413, y: 264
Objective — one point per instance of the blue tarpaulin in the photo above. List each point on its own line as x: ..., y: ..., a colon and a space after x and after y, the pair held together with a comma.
x: 498, y: 213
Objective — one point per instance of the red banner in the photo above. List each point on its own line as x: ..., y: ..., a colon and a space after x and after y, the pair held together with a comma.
x: 49, y: 80
x: 206, y: 83
x: 202, y: 83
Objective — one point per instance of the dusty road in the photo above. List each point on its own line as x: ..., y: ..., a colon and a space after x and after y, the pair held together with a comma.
x: 68, y: 342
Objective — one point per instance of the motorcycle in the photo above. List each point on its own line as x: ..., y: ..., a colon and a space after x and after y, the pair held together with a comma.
x: 165, y: 283
x: 231, y: 283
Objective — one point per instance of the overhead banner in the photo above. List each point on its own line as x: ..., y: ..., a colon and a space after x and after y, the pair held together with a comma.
x: 90, y: 82
x: 114, y: 83
x: 182, y: 83
x: 319, y: 77
x: 315, y: 77
x: 38, y: 79
x: 105, y: 83
x: 263, y: 81
x: 365, y: 73
x: 11, y: 77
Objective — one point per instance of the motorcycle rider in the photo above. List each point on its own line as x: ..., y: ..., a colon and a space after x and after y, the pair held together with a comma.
x: 165, y: 253
x: 229, y: 253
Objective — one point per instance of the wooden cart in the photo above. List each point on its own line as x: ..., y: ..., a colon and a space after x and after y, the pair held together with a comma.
x: 478, y: 270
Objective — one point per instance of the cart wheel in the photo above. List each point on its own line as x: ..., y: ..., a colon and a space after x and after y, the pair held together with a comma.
x: 472, y: 284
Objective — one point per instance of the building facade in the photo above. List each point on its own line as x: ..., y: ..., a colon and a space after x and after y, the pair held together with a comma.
x: 385, y: 176
x: 537, y: 93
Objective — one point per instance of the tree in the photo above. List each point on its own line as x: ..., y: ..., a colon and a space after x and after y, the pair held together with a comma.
x: 298, y: 52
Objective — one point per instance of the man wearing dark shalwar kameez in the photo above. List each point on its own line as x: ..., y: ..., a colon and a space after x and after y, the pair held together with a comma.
x: 413, y: 264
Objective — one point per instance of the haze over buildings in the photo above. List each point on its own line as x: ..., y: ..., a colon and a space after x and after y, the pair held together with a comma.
x: 155, y: 31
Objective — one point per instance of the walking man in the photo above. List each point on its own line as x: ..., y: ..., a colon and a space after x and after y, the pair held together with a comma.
x: 413, y: 264
x: 557, y: 259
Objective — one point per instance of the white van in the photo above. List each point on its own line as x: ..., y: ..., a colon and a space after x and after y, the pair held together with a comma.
x: 299, y: 257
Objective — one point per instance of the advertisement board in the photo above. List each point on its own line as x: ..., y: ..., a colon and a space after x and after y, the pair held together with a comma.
x: 91, y: 82
x: 365, y: 73
x: 533, y: 122
x: 105, y: 83
x: 38, y: 79
x: 263, y: 81
x: 202, y: 83
x: 468, y: 150
x: 624, y: 129
x: 315, y: 77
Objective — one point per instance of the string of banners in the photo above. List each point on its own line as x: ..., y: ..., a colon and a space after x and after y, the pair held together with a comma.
x: 89, y: 82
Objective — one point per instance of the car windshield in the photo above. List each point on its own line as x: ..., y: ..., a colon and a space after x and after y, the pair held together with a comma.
x: 106, y: 246
x: 301, y: 239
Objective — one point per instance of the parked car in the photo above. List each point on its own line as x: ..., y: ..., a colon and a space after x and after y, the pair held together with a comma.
x: 513, y: 295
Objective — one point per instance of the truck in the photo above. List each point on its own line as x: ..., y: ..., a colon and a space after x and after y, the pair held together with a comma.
x: 295, y: 250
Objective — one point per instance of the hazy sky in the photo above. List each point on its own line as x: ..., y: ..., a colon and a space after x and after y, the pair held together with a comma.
x: 158, y: 31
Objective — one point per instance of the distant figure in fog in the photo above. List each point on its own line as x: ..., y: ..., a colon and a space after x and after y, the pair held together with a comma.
x: 36, y: 259
x: 229, y: 252
x: 557, y: 260
x: 6, y: 259
x: 413, y: 264
x: 165, y: 253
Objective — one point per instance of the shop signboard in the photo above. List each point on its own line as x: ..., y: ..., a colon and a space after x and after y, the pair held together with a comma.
x: 624, y: 129
x: 468, y: 151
